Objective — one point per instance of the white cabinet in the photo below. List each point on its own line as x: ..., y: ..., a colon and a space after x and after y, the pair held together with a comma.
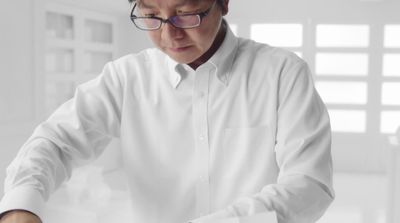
x: 72, y: 45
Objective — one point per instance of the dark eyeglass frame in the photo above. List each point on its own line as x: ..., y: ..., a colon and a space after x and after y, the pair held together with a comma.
x: 171, y: 19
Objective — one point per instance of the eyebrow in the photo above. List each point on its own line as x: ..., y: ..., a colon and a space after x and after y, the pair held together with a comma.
x: 142, y: 4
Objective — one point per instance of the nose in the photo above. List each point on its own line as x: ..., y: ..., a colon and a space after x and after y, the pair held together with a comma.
x: 170, y: 32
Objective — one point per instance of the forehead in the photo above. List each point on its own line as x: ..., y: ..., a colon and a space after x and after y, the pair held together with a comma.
x: 168, y: 3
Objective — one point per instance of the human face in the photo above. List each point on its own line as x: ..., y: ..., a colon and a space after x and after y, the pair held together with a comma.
x: 191, y: 46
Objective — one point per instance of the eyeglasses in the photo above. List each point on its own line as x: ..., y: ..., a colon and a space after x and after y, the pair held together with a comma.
x: 186, y: 21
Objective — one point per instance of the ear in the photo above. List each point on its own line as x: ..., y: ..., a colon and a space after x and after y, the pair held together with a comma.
x: 225, y: 7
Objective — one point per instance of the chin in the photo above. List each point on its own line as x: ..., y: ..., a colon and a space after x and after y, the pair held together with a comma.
x: 182, y: 58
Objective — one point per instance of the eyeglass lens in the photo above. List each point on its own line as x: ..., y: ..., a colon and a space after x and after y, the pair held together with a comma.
x: 184, y: 21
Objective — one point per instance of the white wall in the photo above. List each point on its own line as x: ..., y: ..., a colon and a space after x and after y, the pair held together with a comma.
x: 16, y: 78
x: 130, y: 39
x: 16, y: 60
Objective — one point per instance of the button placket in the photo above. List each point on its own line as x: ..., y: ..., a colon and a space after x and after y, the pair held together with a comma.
x: 200, y: 115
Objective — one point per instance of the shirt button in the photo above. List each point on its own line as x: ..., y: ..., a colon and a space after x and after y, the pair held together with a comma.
x: 201, y: 94
x: 201, y: 137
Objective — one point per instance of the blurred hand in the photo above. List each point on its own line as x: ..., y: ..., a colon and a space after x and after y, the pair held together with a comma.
x: 20, y: 216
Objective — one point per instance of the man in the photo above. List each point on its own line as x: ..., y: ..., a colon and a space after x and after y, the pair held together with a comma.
x: 211, y: 126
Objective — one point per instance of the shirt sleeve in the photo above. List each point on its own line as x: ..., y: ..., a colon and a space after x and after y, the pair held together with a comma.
x: 76, y: 133
x: 303, y: 153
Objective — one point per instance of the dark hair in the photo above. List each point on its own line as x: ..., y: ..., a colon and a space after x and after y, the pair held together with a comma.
x: 220, y: 2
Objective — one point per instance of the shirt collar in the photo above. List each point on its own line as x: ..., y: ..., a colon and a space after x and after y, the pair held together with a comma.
x: 222, y: 60
x: 224, y: 57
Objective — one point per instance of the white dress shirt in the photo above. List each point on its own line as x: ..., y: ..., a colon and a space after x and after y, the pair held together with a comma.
x: 244, y: 133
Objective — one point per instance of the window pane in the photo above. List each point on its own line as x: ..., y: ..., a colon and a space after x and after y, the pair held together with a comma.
x: 59, y: 26
x: 391, y: 93
x: 343, y: 92
x: 342, y: 35
x: 341, y: 64
x: 391, y: 64
x: 392, y: 36
x: 284, y: 35
x: 348, y: 120
x: 96, y: 31
x: 59, y: 60
x: 390, y: 121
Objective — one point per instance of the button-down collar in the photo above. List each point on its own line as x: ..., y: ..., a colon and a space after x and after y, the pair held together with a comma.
x: 222, y: 61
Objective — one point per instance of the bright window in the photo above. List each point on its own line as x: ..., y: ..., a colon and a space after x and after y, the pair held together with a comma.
x: 335, y: 92
x: 342, y: 35
x: 390, y: 121
x: 283, y: 35
x: 391, y: 93
x: 341, y: 64
x: 391, y: 65
x: 348, y: 120
x: 392, y: 36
